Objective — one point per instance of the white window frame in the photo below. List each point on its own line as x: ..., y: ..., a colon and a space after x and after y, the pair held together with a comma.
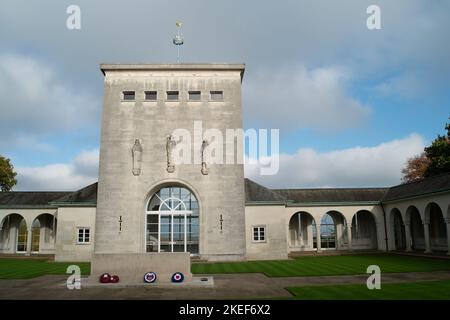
x: 259, y: 228
x: 84, y: 235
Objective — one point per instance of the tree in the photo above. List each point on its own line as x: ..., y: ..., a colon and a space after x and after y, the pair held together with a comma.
x: 7, y: 174
x: 439, y: 154
x: 415, y: 168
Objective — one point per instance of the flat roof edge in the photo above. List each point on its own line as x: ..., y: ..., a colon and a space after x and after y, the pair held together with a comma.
x: 172, y: 66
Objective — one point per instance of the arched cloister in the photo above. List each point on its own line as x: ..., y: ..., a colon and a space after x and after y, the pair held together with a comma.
x: 43, y: 233
x: 434, y: 219
x: 364, y: 230
x: 301, y: 234
x: 332, y: 231
x: 415, y: 227
x: 13, y: 234
x: 397, y: 227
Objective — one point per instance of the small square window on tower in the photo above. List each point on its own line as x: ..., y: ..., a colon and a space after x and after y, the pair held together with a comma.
x: 217, y: 95
x: 151, y: 95
x: 194, y: 95
x: 173, y: 95
x: 128, y: 95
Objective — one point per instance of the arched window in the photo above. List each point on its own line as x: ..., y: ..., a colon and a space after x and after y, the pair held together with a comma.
x: 35, y: 235
x: 327, y: 232
x: 172, y: 221
x: 22, y: 236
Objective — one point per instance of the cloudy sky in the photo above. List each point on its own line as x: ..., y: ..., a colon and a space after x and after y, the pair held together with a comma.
x: 352, y: 104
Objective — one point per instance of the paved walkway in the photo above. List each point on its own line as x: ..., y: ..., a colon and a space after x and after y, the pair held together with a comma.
x: 236, y: 286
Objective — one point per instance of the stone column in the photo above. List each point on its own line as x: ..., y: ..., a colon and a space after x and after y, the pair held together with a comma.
x: 447, y: 221
x: 319, y: 244
x: 300, y: 231
x: 426, y: 233
x: 29, y: 236
x: 408, y: 237
x: 349, y: 236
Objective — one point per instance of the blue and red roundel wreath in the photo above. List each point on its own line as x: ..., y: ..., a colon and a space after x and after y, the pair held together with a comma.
x: 177, y: 277
x: 150, y: 277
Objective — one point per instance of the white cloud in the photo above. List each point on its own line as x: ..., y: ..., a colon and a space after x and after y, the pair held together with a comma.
x: 34, y: 101
x: 300, y: 98
x: 354, y: 167
x: 80, y: 172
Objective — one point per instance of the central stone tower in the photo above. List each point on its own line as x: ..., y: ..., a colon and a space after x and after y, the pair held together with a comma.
x: 144, y: 104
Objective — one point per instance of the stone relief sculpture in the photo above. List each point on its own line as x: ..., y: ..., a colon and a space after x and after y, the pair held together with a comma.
x: 204, y: 170
x: 170, y: 146
x: 136, y: 152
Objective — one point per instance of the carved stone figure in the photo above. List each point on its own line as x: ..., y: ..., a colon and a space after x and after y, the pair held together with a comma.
x: 137, y: 157
x: 204, y: 170
x: 170, y: 146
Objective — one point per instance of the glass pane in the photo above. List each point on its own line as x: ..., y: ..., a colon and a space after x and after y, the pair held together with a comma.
x: 192, y: 248
x: 166, y: 219
x: 178, y: 248
x: 152, y: 218
x: 194, y: 95
x: 154, y: 203
x: 128, y: 95
x: 172, y: 95
x: 150, y: 95
x: 178, y: 236
x: 152, y: 237
x: 165, y: 237
x: 152, y: 227
x: 216, y: 95
x: 166, y: 248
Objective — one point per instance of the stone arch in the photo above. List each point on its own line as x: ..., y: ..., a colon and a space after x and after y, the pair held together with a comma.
x: 43, y: 233
x: 364, y: 230
x: 434, y: 215
x: 169, y: 182
x: 10, y: 226
x: 414, y: 220
x: 301, y: 234
x: 397, y: 229
x: 333, y: 233
x: 172, y: 220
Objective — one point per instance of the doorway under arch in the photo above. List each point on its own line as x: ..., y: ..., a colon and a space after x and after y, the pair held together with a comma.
x: 301, y: 225
x: 398, y: 230
x: 333, y: 231
x: 438, y: 228
x: 172, y: 221
x: 364, y: 231
x: 416, y: 227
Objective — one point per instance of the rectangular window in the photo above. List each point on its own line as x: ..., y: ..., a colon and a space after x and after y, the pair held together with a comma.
x: 84, y: 235
x: 217, y: 95
x: 259, y: 234
x: 151, y: 95
x: 128, y: 95
x: 194, y: 95
x: 172, y: 95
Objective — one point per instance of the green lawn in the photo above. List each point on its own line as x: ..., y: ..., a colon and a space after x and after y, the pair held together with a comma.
x: 326, y: 265
x: 425, y: 290
x: 25, y: 269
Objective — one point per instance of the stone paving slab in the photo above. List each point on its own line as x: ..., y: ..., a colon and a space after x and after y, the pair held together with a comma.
x: 226, y: 286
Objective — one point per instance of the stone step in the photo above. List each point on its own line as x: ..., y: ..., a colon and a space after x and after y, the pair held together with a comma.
x: 30, y: 257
